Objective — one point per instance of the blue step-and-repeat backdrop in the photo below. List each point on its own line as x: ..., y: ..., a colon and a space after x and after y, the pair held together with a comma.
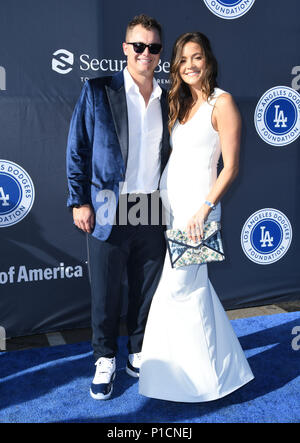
x: 47, y: 50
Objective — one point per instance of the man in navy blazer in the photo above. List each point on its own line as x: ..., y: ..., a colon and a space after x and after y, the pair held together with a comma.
x: 118, y: 146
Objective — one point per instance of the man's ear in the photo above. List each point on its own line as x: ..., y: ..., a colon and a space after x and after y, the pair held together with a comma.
x: 125, y: 48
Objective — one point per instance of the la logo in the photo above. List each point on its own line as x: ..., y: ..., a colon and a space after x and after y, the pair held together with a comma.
x: 265, y: 238
x: 279, y: 118
x: 4, y: 198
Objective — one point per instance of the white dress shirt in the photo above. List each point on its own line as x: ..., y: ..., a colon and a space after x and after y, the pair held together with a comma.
x: 145, y: 135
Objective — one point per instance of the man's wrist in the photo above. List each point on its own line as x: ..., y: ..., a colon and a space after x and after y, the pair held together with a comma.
x: 79, y: 206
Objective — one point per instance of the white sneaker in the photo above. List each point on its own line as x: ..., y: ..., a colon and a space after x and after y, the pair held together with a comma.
x: 134, y: 364
x: 102, y: 385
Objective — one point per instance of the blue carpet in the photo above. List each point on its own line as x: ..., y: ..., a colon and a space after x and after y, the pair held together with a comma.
x: 52, y: 384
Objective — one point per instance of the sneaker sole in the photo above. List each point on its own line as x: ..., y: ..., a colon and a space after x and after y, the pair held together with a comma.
x: 102, y: 396
x: 132, y: 373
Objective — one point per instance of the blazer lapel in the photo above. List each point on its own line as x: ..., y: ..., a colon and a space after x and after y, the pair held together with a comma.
x: 118, y: 105
x: 165, y: 148
x: 117, y: 100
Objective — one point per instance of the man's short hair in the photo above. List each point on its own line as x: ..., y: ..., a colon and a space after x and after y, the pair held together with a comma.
x: 146, y: 21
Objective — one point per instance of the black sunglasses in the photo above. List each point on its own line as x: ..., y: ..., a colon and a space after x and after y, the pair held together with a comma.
x: 139, y: 48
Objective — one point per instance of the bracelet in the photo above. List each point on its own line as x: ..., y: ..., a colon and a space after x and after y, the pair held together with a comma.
x: 211, y: 205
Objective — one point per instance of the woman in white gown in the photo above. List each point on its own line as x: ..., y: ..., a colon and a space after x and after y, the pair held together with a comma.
x: 190, y: 352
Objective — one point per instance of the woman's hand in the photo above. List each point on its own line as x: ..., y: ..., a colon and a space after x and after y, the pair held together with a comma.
x: 195, y: 226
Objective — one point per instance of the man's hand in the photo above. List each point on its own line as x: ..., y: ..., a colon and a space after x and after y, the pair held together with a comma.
x: 84, y: 218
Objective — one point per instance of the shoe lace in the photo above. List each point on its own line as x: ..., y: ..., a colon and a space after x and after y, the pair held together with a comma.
x: 104, y: 364
x: 137, y: 357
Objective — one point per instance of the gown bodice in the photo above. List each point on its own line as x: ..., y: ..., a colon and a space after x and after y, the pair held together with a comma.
x: 192, y: 168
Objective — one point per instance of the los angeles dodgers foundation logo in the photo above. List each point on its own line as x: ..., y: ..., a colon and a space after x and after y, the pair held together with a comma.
x: 266, y: 236
x: 16, y: 193
x: 229, y: 9
x: 277, y: 116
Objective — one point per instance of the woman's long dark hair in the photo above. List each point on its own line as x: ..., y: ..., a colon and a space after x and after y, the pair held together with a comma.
x: 180, y: 97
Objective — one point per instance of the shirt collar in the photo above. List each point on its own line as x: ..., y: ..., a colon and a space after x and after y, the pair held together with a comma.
x: 130, y: 86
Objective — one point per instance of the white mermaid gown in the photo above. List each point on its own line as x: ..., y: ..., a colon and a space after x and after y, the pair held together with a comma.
x: 190, y: 352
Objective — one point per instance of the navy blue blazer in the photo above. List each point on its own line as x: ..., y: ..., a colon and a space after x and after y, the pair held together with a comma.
x: 97, y: 148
